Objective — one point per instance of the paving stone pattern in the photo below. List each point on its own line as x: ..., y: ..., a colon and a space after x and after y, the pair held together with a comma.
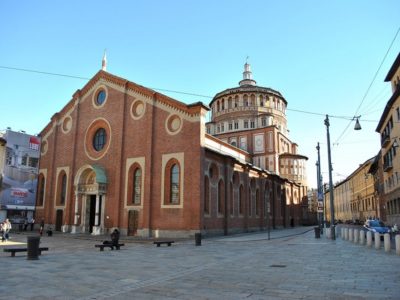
x: 292, y: 265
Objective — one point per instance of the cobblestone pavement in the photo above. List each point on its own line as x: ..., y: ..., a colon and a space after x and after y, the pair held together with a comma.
x: 291, y: 265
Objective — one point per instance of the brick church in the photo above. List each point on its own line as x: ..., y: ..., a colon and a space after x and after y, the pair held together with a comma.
x: 120, y: 155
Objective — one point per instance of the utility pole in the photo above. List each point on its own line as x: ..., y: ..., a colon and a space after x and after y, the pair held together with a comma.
x: 332, y: 208
x: 320, y: 196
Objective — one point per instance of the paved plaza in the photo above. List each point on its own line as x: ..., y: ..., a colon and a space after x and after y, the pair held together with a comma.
x: 291, y: 265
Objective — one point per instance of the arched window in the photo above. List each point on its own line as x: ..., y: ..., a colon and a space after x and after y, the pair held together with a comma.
x: 221, y: 196
x: 229, y: 102
x: 137, y: 186
x: 241, y: 198
x: 231, y: 201
x: 252, y: 100
x: 257, y: 202
x: 62, y: 188
x: 245, y: 100
x: 99, y: 139
x: 217, y: 106
x: 174, y: 184
x: 41, y: 185
x: 206, y: 195
x: 236, y: 101
x: 249, y: 201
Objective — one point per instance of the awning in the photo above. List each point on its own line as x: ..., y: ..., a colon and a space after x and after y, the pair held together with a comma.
x: 100, y: 174
x: 20, y: 207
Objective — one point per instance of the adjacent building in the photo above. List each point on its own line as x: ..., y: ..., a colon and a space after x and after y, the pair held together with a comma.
x: 122, y: 155
x: 19, y: 165
x: 389, y: 130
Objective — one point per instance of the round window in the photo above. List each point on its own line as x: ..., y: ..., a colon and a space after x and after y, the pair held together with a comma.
x: 101, y: 97
x: 99, y: 139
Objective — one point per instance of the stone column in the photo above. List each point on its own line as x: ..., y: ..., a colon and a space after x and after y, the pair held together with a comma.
x: 369, y: 238
x: 386, y: 239
x: 362, y: 237
x: 377, y: 241
x: 97, y: 217
x: 75, y: 227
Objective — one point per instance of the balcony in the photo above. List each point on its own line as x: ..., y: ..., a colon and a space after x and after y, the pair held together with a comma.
x: 385, y: 139
x: 387, y: 166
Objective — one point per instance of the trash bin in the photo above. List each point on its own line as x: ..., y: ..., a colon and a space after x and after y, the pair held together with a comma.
x: 33, y: 247
x: 317, y: 232
x: 197, y: 238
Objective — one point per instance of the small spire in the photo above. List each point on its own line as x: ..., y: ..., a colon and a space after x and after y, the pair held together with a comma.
x: 247, y: 75
x: 104, y: 61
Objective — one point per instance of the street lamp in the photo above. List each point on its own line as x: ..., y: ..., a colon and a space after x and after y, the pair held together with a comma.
x: 333, y: 236
x: 332, y: 209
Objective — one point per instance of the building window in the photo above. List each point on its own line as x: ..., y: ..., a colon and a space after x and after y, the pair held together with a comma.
x: 33, y: 162
x: 222, y: 127
x: 137, y: 186
x: 231, y: 198
x: 24, y: 160
x: 230, y: 126
x: 263, y: 122
x: 250, y: 204
x: 252, y: 124
x: 221, y: 196
x: 62, y: 188
x: 172, y: 183
x: 246, y: 124
x: 40, y: 198
x: 236, y: 125
x: 206, y: 195
x: 241, y: 200
x: 99, y: 139
x: 101, y: 97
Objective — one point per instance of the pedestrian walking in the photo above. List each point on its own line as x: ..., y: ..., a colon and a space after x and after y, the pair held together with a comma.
x: 41, y: 227
x: 32, y: 222
x: 2, y: 229
x: 6, y: 229
x: 26, y: 224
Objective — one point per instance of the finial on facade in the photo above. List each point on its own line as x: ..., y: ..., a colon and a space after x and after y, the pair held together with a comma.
x: 247, y: 75
x: 104, y: 61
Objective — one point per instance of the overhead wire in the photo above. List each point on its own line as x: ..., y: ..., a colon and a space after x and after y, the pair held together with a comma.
x: 167, y: 90
x: 369, y: 87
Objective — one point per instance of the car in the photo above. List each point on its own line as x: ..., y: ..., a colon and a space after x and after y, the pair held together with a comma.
x: 376, y: 226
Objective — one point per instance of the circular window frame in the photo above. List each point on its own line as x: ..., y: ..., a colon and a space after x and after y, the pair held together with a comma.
x: 44, y: 147
x: 64, y: 124
x: 134, y: 105
x: 168, y: 124
x: 99, y: 89
x: 93, y: 127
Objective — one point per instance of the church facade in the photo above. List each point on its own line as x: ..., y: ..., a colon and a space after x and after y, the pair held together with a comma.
x: 120, y: 155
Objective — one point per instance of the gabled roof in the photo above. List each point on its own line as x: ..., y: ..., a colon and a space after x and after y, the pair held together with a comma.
x: 190, y: 109
x: 393, y: 69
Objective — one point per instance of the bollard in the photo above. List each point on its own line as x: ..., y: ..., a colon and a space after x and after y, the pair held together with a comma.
x: 317, y: 232
x: 386, y: 239
x: 397, y: 240
x: 362, y: 237
x: 346, y: 234
x: 356, y: 236
x: 197, y: 238
x: 33, y: 247
x: 350, y: 234
x: 369, y: 239
x: 377, y: 237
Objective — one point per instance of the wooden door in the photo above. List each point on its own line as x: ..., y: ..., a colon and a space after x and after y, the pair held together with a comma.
x: 133, y: 221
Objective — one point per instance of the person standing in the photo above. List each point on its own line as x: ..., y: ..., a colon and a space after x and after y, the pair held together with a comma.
x: 32, y: 222
x: 6, y: 229
x: 41, y: 227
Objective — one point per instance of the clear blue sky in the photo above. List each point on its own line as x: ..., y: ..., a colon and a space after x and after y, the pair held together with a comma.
x: 321, y: 55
